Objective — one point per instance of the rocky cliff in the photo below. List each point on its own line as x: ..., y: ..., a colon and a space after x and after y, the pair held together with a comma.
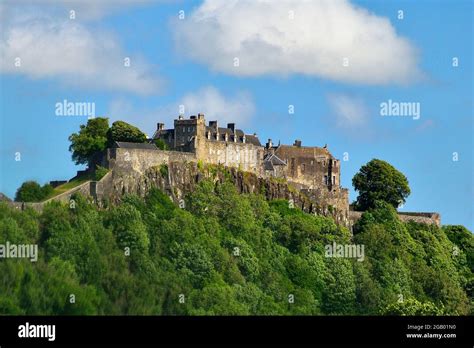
x: 177, y: 179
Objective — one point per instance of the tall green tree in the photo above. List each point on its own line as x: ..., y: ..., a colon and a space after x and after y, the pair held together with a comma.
x: 380, y: 181
x: 31, y: 191
x: 91, y: 139
x: 122, y: 131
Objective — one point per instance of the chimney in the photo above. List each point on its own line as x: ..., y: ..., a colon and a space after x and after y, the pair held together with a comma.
x: 269, y: 144
x: 243, y: 138
x: 231, y: 126
x: 297, y: 143
x: 180, y: 117
x: 160, y: 126
x: 200, y: 116
x: 213, y: 124
x: 193, y: 117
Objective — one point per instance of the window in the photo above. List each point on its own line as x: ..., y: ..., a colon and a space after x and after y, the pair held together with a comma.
x: 334, y: 180
x: 302, y: 168
x: 325, y: 180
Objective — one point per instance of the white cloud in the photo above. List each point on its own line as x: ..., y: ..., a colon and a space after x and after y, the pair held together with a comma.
x: 57, y: 47
x: 267, y: 41
x: 207, y: 100
x: 349, y: 112
x: 84, y: 9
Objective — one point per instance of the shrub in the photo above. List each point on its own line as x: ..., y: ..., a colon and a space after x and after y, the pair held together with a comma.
x: 160, y: 143
x: 31, y: 191
x: 100, y: 172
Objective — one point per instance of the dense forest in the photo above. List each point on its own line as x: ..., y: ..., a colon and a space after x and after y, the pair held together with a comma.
x: 226, y: 253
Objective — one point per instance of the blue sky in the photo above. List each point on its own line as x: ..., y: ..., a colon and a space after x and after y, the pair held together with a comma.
x: 290, y: 53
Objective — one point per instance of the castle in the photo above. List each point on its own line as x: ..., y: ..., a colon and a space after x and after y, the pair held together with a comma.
x: 307, y: 176
x: 311, y: 169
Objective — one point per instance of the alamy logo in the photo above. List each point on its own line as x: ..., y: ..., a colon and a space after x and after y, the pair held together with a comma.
x: 393, y: 108
x: 345, y: 251
x: 66, y: 108
x: 37, y: 331
x: 27, y: 251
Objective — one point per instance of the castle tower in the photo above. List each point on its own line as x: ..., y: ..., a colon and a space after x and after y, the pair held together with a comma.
x: 200, y: 139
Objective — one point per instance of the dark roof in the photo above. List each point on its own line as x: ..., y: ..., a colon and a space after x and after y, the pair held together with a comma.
x: 252, y: 139
x: 275, y: 160
x: 223, y: 130
x: 143, y: 146
x: 163, y: 133
x: 166, y: 131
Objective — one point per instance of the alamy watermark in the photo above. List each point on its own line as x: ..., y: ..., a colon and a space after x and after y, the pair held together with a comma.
x: 345, y: 251
x: 26, y: 251
x: 67, y: 108
x: 403, y: 109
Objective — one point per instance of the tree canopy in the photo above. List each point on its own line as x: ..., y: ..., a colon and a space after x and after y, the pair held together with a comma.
x: 91, y: 139
x: 122, y: 131
x: 31, y: 191
x: 379, y: 181
x: 227, y: 253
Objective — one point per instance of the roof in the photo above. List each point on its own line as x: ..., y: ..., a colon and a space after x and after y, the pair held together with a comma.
x: 252, y: 139
x: 127, y: 145
x: 162, y: 133
x: 306, y: 151
x: 223, y: 130
x: 272, y: 160
x: 275, y: 160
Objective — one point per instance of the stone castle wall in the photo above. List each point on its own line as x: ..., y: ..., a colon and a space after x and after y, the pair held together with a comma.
x: 424, y: 218
x: 247, y: 157
x: 123, y: 160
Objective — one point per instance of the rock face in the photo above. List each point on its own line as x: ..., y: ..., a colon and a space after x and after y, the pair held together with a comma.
x: 177, y: 179
x: 136, y: 171
x: 176, y: 173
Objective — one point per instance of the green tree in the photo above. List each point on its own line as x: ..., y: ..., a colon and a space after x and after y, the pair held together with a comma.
x: 91, y: 139
x: 464, y: 240
x: 340, y: 291
x: 160, y: 143
x: 127, y: 224
x: 122, y: 131
x: 380, y: 181
x: 412, y: 306
x: 31, y: 191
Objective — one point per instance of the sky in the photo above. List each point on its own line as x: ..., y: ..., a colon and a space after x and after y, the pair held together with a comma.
x: 318, y: 71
